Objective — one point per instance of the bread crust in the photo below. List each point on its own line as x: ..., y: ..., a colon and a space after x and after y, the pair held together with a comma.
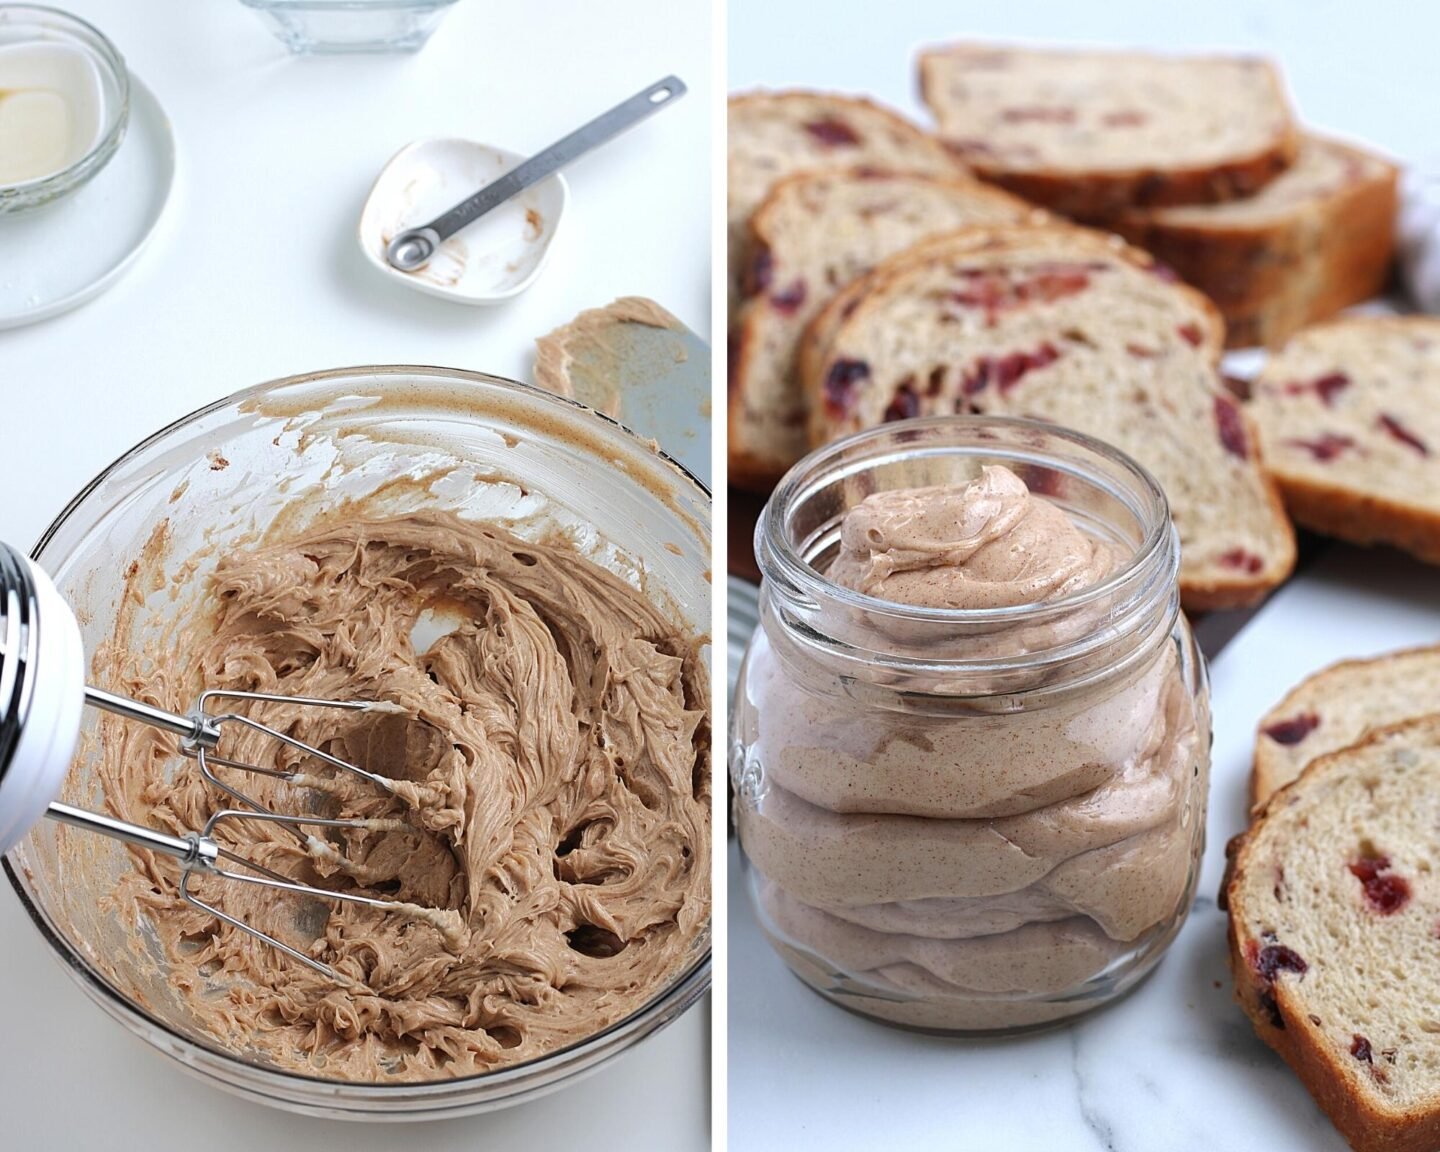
x: 1332, y: 1084
x: 942, y: 157
x: 1098, y: 196
x: 744, y: 469
x: 797, y: 95
x: 1267, y: 763
x: 1360, y: 518
x: 748, y: 467
x: 814, y: 344
x: 1272, y: 277
x: 1221, y: 590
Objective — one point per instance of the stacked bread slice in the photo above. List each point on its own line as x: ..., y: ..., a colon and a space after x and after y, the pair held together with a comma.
x: 1197, y: 158
x: 1090, y: 133
x: 771, y: 135
x: 814, y: 233
x: 1334, y: 897
x: 1316, y: 239
x: 1074, y: 327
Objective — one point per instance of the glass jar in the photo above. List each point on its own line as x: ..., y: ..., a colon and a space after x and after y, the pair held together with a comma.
x: 970, y: 820
x: 35, y: 24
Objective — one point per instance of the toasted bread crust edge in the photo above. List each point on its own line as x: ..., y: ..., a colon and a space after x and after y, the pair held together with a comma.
x: 1271, y: 279
x: 1095, y: 197
x: 746, y: 469
x: 750, y: 468
x: 1366, y: 1128
x: 1265, y: 763
x: 1360, y: 518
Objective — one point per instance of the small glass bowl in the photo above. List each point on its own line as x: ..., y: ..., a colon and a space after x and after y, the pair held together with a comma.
x: 325, y: 26
x: 24, y: 23
x: 310, y: 442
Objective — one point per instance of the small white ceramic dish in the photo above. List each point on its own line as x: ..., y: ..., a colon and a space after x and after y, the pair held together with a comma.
x: 494, y: 259
x: 58, y: 256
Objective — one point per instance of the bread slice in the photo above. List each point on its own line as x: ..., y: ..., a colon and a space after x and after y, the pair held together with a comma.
x: 815, y: 232
x: 1316, y: 239
x: 1335, y: 707
x: 1075, y: 328
x: 1090, y: 133
x: 1349, y: 422
x: 771, y: 135
x: 1334, y: 896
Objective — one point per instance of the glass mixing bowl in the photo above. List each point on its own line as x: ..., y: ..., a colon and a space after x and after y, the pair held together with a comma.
x: 486, y: 447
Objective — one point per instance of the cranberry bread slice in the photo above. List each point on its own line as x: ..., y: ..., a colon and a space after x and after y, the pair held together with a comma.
x: 1349, y: 423
x: 771, y: 135
x: 815, y: 232
x: 1090, y: 133
x: 1317, y: 239
x: 1333, y: 896
x: 1071, y: 327
x: 1055, y: 234
x: 1335, y: 707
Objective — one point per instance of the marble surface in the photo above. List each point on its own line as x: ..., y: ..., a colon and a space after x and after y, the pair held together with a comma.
x: 1175, y: 1065
x: 254, y: 273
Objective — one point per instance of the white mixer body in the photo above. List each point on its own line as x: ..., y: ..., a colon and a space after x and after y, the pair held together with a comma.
x: 42, y: 693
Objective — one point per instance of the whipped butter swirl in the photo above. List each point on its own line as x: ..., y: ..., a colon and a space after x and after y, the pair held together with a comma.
x: 551, y: 758
x: 989, y: 544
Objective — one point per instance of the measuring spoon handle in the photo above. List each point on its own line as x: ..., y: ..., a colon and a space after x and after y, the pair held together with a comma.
x: 604, y: 127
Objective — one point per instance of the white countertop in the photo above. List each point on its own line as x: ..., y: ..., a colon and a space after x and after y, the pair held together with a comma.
x: 254, y: 274
x: 1176, y: 1066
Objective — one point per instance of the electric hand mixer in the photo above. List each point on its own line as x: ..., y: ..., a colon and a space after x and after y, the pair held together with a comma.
x: 42, y: 691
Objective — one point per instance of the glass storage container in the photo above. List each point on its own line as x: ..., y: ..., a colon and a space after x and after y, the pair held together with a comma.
x: 977, y: 820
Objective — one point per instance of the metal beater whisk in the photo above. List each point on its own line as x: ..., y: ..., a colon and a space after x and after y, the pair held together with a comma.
x: 42, y: 691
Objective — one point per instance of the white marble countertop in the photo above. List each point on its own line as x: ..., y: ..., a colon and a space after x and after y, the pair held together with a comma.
x: 254, y: 274
x: 1173, y: 1066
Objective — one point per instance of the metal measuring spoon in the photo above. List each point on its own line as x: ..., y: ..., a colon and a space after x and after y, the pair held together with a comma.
x: 411, y: 249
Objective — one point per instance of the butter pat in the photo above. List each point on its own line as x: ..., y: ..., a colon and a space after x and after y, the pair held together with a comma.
x: 52, y: 109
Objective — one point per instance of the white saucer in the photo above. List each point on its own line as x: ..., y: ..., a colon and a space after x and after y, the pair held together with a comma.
x: 61, y: 255
x: 495, y: 258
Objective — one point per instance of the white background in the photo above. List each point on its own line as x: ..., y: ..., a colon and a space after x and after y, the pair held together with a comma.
x: 1176, y: 1066
x: 254, y: 274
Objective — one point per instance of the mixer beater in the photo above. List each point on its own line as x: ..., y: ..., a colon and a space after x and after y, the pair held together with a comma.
x: 42, y: 691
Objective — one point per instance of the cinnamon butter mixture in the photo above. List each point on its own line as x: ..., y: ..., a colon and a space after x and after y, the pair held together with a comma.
x: 548, y: 833
x: 972, y: 869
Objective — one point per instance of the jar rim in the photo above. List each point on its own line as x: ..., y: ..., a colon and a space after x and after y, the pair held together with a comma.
x: 780, y: 559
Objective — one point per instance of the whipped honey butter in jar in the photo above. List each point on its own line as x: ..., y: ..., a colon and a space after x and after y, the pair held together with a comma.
x: 970, y: 741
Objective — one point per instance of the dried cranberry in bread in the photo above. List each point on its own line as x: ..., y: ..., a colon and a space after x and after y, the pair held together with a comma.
x: 1316, y: 239
x: 813, y: 233
x: 1335, y: 707
x: 1334, y: 900
x: 1072, y: 327
x: 1089, y: 133
x: 771, y: 135
x: 1349, y: 422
